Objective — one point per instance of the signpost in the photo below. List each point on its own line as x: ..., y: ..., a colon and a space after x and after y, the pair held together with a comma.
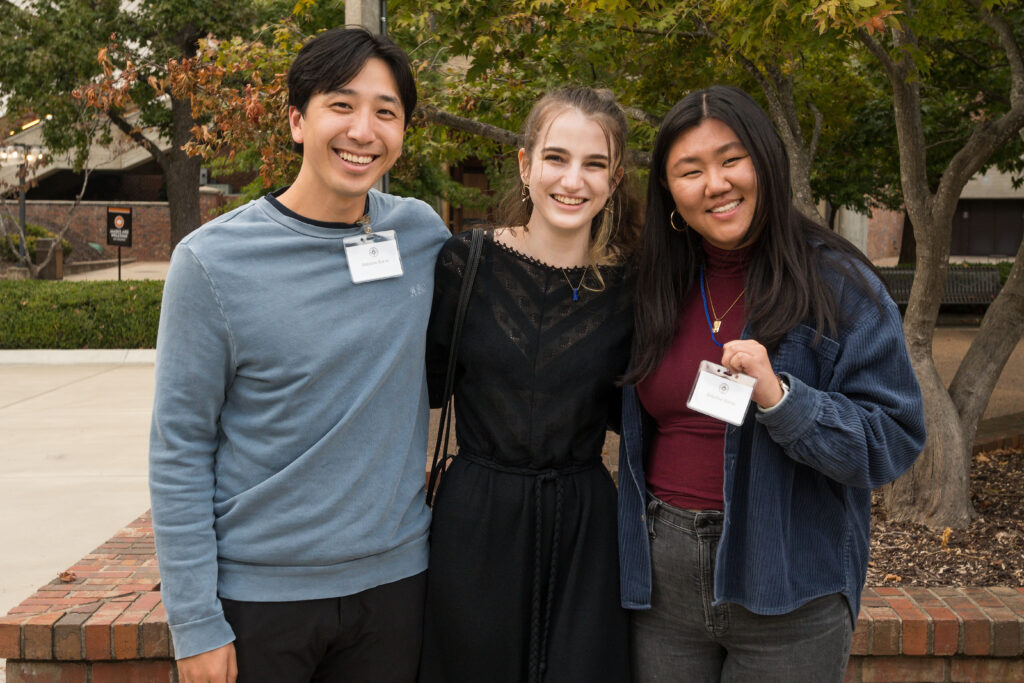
x: 119, y: 231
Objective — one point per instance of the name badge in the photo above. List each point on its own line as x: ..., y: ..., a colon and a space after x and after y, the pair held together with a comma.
x: 721, y: 394
x: 373, y: 256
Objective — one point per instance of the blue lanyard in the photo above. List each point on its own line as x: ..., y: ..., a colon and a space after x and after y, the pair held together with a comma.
x: 707, y: 316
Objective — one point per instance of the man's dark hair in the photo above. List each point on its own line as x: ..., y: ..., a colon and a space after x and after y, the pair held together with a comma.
x: 333, y: 58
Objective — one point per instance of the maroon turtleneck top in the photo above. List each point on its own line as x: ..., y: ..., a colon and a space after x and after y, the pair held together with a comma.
x: 685, y: 463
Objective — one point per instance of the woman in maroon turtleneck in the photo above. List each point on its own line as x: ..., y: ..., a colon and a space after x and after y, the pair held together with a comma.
x: 743, y: 547
x: 693, y: 482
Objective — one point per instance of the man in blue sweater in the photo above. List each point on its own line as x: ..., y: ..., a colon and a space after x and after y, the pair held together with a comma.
x: 290, y: 420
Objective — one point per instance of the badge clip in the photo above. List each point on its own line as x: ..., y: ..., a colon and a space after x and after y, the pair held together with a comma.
x: 721, y: 394
x: 373, y: 256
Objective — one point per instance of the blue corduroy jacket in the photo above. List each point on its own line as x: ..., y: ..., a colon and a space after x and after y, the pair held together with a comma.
x: 798, y: 479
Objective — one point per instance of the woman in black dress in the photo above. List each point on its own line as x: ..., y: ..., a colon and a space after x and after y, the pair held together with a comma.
x: 523, y: 578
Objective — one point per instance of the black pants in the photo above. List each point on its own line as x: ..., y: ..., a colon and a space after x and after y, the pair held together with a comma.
x: 372, y: 636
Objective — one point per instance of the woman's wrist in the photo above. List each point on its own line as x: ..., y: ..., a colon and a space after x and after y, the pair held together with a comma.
x: 783, y: 393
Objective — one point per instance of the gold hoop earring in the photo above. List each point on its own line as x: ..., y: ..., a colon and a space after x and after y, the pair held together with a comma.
x: 672, y: 222
x: 524, y: 194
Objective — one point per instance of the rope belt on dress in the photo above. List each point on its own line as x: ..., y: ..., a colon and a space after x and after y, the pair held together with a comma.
x: 540, y: 610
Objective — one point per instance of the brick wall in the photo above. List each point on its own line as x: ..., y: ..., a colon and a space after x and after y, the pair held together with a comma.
x: 885, y: 231
x: 102, y: 621
x: 939, y: 634
x: 151, y: 223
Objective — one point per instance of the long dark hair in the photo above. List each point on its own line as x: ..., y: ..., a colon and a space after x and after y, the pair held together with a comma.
x: 614, y: 232
x: 785, y: 283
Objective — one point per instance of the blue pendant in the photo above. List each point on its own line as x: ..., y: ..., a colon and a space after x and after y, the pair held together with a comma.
x: 575, y: 293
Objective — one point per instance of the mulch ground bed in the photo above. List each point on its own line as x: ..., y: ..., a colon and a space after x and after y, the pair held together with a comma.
x: 989, y: 552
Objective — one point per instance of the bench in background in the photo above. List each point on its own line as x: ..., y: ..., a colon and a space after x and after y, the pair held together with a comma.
x: 975, y: 284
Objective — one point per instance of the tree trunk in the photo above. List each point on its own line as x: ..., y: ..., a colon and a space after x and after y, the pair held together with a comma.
x: 908, y: 245
x: 936, y: 490
x: 778, y: 90
x: 182, y: 174
x: 1000, y: 331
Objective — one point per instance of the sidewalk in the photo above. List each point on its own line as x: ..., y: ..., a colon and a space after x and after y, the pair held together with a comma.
x: 73, y: 470
x: 948, y: 348
x: 136, y: 270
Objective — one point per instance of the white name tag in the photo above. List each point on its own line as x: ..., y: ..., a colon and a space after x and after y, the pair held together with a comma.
x: 373, y: 256
x: 721, y: 394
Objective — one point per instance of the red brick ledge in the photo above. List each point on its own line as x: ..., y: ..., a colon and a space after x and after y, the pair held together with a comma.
x: 107, y: 623
x: 939, y: 634
x: 96, y: 621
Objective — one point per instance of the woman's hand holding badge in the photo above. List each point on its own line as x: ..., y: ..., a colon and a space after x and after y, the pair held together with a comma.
x: 751, y: 358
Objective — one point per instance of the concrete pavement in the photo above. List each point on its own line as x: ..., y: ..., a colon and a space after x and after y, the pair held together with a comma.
x: 73, y: 465
x: 136, y: 270
x: 949, y: 346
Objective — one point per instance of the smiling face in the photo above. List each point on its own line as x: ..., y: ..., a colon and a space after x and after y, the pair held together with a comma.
x: 568, y: 173
x: 713, y: 182
x: 350, y: 138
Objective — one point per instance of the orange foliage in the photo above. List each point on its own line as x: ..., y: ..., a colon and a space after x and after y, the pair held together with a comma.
x: 240, y: 108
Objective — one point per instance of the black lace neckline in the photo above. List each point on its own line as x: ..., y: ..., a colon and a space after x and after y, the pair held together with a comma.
x: 530, y: 259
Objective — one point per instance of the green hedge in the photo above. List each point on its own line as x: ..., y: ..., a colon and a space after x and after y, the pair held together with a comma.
x: 1004, y: 270
x: 10, y: 247
x: 39, y: 314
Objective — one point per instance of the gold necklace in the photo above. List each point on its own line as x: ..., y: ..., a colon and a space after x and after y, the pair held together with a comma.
x: 576, y: 289
x: 717, y: 324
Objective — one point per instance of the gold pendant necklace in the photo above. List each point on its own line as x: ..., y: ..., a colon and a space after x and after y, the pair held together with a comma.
x: 717, y: 324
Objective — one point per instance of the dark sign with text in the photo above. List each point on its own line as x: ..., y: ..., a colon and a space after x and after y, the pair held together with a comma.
x: 119, y: 227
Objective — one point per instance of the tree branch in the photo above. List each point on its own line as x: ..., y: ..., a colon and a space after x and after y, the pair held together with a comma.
x: 879, y: 53
x: 988, y: 136
x: 700, y: 33
x: 778, y: 90
x: 906, y: 89
x: 505, y: 137
x: 639, y: 158
x: 1010, y: 47
x: 1000, y: 330
x: 58, y: 242
x: 137, y: 137
x: 644, y: 117
x: 485, y: 130
x: 819, y: 122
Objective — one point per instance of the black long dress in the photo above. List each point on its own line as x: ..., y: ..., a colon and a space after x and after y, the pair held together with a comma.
x: 523, y: 581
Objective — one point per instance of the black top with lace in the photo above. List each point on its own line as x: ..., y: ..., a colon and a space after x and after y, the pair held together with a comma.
x: 540, y: 367
x: 523, y: 538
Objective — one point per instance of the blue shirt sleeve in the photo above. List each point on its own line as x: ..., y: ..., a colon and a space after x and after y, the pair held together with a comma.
x: 193, y: 370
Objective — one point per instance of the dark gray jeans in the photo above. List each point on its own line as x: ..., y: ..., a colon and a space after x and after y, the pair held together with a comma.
x: 685, y: 638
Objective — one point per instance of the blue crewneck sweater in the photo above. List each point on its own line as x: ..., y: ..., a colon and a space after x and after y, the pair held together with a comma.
x: 290, y: 418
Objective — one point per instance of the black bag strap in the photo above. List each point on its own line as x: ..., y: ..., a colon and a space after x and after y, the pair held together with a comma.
x: 476, y: 244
